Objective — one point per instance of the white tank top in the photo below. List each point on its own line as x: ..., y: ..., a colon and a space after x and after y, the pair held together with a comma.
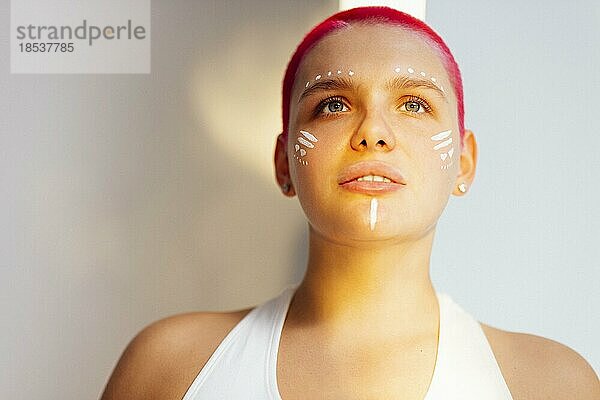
x: 244, y: 364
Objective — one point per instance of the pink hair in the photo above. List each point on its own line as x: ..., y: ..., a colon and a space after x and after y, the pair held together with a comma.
x: 384, y: 15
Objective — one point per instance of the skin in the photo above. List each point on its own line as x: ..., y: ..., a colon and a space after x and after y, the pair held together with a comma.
x: 366, y: 307
x: 358, y: 279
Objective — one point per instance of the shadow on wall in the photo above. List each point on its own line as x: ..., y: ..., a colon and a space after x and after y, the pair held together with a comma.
x: 252, y: 239
x: 128, y: 200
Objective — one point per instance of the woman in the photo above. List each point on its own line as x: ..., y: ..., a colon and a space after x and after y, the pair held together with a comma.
x: 373, y: 144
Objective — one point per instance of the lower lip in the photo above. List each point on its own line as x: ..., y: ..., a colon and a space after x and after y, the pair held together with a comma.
x: 368, y: 187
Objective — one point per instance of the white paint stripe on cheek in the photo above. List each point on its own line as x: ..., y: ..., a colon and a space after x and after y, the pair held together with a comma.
x: 300, y: 152
x: 306, y: 142
x: 443, y: 144
x: 373, y: 213
x: 441, y: 135
x: 309, y: 136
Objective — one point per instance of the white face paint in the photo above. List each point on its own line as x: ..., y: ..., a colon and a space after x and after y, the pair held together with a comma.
x: 445, y: 140
x: 329, y: 73
x: 307, y: 140
x: 373, y: 213
x: 423, y: 74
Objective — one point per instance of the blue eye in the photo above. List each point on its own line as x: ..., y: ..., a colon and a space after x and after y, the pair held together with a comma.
x: 412, y: 106
x: 331, y: 106
x: 415, y: 105
x: 335, y: 106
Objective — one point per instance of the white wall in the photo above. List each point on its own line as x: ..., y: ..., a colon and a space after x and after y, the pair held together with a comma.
x: 122, y: 198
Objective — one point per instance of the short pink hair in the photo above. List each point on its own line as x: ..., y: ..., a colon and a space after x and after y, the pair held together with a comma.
x: 385, y: 15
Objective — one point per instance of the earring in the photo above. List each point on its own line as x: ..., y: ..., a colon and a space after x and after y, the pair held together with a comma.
x: 462, y: 187
x: 286, y: 187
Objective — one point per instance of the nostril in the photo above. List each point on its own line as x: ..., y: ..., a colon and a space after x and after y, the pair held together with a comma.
x: 364, y: 142
x: 381, y: 142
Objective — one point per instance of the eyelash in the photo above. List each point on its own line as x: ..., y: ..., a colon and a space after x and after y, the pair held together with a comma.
x: 325, y: 102
x: 420, y: 101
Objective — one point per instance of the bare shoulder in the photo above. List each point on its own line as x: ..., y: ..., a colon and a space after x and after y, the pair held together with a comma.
x: 535, y: 367
x: 163, y: 359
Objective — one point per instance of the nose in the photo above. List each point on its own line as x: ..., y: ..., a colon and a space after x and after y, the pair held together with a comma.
x: 373, y: 133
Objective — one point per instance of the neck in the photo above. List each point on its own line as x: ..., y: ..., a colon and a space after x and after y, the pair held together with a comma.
x: 367, y: 291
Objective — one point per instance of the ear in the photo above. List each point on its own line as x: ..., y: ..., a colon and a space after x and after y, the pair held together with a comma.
x: 468, y: 162
x: 282, y: 166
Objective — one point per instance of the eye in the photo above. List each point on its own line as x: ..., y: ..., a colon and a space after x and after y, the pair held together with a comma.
x: 412, y: 106
x: 415, y: 105
x: 333, y: 105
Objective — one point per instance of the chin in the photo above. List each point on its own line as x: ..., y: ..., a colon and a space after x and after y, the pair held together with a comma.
x: 357, y: 232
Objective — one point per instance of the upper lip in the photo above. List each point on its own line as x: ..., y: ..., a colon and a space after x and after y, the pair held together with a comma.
x: 363, y: 168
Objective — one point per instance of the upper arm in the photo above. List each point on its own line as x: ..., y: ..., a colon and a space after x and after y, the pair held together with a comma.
x: 535, y: 367
x: 137, y: 369
x: 163, y: 359
x: 566, y: 374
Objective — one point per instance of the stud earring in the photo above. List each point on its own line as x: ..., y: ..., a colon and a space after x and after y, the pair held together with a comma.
x: 462, y: 187
x: 286, y: 187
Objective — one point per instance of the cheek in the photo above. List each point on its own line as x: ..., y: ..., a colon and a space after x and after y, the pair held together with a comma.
x: 304, y: 154
x: 435, y: 158
x: 304, y: 144
x: 439, y: 160
x: 442, y: 146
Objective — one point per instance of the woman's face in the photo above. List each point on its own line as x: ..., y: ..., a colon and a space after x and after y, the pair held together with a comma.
x: 373, y: 100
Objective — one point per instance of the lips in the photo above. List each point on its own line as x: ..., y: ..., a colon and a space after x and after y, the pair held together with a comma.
x: 371, y: 177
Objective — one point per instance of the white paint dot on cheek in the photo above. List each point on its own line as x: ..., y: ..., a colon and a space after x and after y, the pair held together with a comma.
x: 433, y: 80
x: 329, y: 73
x: 317, y: 77
x: 307, y: 83
x: 397, y: 69
x: 447, y: 166
x: 339, y: 72
x: 350, y: 73
x: 373, y: 213
x: 410, y: 70
x: 423, y: 73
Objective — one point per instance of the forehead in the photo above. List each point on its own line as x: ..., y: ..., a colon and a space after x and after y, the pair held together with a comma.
x: 372, y: 50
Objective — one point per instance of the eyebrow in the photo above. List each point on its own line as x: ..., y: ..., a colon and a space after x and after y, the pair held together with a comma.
x: 395, y: 83
x: 409, y: 82
x: 328, y: 84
